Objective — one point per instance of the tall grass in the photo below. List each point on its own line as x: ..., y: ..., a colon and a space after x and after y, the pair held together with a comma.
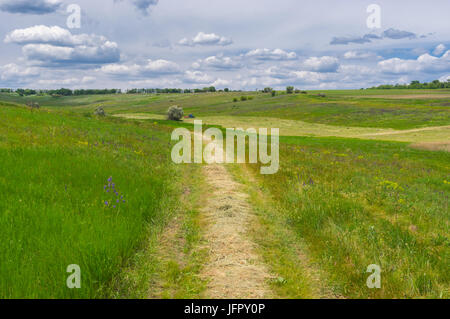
x: 53, y: 172
x: 358, y: 203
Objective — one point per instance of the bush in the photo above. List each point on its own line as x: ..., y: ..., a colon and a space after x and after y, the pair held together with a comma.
x: 243, y: 98
x: 235, y: 100
x: 33, y: 105
x: 274, y: 93
x: 290, y: 90
x: 250, y: 98
x: 100, y: 111
x: 175, y: 113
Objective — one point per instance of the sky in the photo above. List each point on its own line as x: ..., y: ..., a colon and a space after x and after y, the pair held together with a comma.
x: 241, y: 45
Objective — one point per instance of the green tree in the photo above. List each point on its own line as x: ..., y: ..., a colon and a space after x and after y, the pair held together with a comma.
x: 175, y: 113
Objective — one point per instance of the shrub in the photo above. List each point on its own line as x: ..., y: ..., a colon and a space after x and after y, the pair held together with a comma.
x: 235, y: 100
x: 33, y: 105
x: 243, y: 98
x: 250, y: 98
x: 175, y: 113
x: 290, y: 90
x: 99, y: 111
x: 274, y: 93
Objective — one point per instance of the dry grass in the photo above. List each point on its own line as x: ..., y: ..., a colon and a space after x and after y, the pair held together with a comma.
x: 234, y: 269
x: 283, y: 250
x: 434, y: 134
x: 141, y: 116
x: 407, y: 96
x: 300, y: 128
x: 436, y: 146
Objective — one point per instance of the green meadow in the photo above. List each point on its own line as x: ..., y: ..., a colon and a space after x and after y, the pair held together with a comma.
x: 364, y: 179
x: 55, y: 208
x: 396, y: 109
x: 357, y: 203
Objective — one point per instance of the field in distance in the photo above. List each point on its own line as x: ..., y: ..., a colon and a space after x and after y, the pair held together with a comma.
x: 350, y: 192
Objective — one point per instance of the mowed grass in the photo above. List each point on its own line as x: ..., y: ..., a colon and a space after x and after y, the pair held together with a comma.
x: 53, y: 169
x: 357, y: 203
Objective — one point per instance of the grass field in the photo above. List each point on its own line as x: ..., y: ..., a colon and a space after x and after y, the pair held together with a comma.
x: 342, y: 108
x: 53, y: 172
x: 358, y: 203
x: 351, y: 191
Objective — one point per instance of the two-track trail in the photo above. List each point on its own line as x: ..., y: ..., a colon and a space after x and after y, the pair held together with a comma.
x: 228, y: 241
x: 234, y: 270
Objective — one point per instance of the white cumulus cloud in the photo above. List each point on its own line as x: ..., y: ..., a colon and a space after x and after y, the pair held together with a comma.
x: 424, y: 63
x: 220, y: 63
x: 445, y: 78
x: 206, y: 39
x: 358, y: 55
x: 321, y: 64
x: 55, y: 45
x: 439, y: 49
x: 267, y: 54
x: 68, y: 81
x: 152, y: 68
x: 197, y: 77
x: 16, y: 73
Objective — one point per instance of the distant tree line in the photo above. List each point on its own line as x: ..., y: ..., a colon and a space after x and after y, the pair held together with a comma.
x: 96, y: 92
x: 60, y: 92
x: 26, y: 92
x: 68, y: 92
x: 436, y: 84
x: 168, y: 91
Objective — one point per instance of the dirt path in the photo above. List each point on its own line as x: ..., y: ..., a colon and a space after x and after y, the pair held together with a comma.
x: 433, y: 128
x: 405, y: 96
x: 234, y: 269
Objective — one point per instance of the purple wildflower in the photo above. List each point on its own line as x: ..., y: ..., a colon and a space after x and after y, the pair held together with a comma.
x: 111, y: 188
